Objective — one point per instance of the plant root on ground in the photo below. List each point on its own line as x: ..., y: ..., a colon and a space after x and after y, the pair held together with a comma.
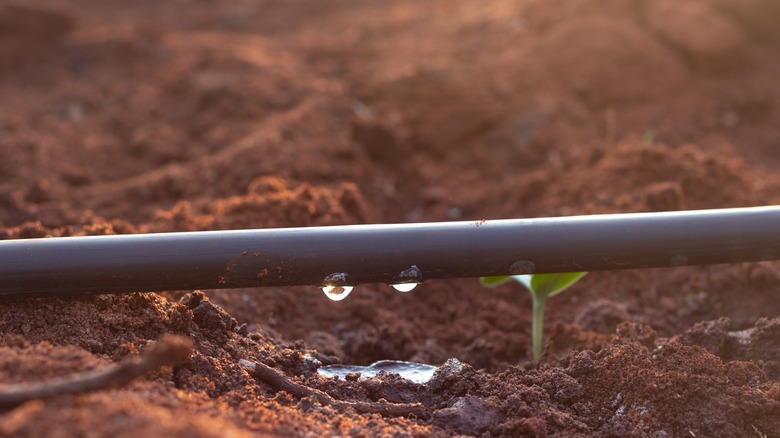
x: 168, y: 351
x: 277, y: 380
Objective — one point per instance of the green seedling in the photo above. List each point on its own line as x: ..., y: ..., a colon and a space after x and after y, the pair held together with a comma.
x: 541, y: 286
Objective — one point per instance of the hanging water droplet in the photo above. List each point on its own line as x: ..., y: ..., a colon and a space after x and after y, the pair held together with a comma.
x: 404, y: 287
x: 337, y: 293
x: 334, y: 288
x: 408, y: 279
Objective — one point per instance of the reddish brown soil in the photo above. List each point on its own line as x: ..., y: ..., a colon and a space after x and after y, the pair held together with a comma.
x: 125, y: 117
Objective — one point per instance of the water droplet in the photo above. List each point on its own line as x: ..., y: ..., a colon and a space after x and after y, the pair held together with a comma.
x: 408, y: 279
x: 404, y: 287
x: 337, y: 293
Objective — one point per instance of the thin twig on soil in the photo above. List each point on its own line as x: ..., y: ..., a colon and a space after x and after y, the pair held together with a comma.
x: 277, y: 380
x: 169, y: 350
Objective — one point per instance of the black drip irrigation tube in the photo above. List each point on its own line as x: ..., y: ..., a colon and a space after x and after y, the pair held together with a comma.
x: 401, y: 253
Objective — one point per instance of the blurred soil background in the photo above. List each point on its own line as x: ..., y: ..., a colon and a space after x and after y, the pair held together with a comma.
x: 147, y: 116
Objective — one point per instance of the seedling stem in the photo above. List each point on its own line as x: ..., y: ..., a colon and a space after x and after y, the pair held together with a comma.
x: 538, y: 324
x: 541, y: 286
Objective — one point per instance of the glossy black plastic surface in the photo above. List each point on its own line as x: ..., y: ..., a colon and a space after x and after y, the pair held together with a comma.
x: 386, y: 253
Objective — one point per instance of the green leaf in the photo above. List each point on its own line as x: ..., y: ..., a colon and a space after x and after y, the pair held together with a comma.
x: 494, y: 281
x: 549, y: 285
x: 541, y: 287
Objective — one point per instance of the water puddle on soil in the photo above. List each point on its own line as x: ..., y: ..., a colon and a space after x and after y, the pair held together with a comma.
x: 416, y: 372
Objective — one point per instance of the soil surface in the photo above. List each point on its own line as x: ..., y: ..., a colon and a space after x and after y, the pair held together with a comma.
x: 149, y: 116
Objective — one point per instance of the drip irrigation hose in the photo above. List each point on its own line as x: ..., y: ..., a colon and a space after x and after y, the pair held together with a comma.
x: 402, y: 253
